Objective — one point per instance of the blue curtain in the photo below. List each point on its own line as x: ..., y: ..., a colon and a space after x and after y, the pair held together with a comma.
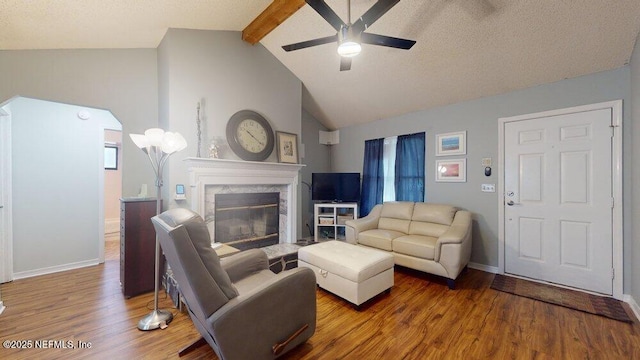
x: 410, y: 153
x: 372, y: 176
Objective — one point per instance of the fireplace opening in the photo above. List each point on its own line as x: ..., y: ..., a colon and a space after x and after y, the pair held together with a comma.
x: 247, y: 220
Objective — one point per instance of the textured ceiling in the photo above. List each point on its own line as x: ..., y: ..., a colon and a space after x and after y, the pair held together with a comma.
x: 465, y: 49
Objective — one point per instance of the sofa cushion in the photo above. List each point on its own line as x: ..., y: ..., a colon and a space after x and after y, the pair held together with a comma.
x: 397, y: 210
x: 416, y: 245
x: 434, y: 213
x: 395, y: 225
x: 378, y: 238
x: 396, y: 216
x: 427, y: 229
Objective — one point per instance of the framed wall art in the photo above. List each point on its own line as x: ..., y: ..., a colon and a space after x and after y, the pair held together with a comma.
x: 451, y: 170
x: 287, y: 147
x: 453, y: 143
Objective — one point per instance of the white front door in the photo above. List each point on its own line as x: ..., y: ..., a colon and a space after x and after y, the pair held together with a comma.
x: 558, y: 199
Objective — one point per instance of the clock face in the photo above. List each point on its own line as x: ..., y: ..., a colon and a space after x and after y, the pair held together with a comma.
x: 250, y: 136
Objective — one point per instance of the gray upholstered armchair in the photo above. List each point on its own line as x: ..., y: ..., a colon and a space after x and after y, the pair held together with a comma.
x: 241, y: 308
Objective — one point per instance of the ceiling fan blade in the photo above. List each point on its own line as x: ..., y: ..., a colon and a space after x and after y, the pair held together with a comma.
x: 381, y: 40
x: 327, y: 13
x: 310, y: 43
x: 374, y: 13
x: 345, y: 63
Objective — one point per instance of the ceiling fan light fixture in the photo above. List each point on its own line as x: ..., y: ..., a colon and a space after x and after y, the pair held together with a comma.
x: 349, y: 48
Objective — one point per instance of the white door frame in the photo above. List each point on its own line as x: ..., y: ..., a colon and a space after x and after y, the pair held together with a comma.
x: 616, y: 161
x: 6, y: 240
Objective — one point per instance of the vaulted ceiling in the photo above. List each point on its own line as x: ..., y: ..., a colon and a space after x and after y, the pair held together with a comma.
x: 466, y: 49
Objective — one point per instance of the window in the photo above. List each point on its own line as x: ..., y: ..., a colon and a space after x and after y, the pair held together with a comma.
x: 393, y: 170
x: 389, y: 168
x: 111, y: 157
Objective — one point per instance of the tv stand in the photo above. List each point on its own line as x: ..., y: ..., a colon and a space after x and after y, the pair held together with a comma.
x: 329, y: 219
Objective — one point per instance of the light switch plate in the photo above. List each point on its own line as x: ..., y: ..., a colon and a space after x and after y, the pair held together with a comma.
x: 488, y: 187
x: 486, y: 162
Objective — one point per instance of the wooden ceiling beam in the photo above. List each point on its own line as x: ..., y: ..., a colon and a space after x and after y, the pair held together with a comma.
x: 274, y: 15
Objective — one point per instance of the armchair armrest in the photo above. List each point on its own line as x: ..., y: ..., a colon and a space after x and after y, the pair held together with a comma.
x: 244, y: 263
x: 353, y: 228
x: 269, y: 314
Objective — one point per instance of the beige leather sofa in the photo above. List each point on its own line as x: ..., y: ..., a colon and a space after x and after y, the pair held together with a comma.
x: 433, y: 238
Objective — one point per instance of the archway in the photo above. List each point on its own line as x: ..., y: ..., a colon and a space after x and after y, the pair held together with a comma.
x: 56, y: 185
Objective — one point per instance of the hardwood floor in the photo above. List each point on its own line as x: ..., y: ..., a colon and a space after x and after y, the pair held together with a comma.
x: 419, y: 319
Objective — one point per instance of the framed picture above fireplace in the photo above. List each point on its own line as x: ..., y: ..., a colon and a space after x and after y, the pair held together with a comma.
x: 287, y: 147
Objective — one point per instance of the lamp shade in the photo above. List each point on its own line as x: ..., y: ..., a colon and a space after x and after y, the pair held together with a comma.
x: 154, y: 136
x: 140, y: 140
x: 159, y: 140
x: 172, y: 142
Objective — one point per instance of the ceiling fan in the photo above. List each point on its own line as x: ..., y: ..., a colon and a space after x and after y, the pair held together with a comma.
x: 349, y: 36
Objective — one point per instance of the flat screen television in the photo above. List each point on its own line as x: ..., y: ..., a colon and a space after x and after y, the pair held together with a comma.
x: 335, y: 187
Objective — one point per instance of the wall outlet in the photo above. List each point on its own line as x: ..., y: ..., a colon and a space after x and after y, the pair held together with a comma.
x: 488, y: 187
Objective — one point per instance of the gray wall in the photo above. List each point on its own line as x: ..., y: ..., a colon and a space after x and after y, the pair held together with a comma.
x: 634, y: 158
x: 480, y: 119
x: 227, y: 75
x: 317, y: 158
x: 56, y: 217
x: 122, y: 81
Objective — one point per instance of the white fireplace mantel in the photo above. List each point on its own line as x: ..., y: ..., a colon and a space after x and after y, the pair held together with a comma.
x: 203, y: 172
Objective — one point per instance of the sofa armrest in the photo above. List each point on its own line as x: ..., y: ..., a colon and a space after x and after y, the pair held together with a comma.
x: 244, y: 263
x: 459, y: 232
x: 353, y: 228
x: 267, y: 315
x: 453, y: 248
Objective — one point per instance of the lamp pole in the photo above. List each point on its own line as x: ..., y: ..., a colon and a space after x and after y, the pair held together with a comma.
x: 158, y: 145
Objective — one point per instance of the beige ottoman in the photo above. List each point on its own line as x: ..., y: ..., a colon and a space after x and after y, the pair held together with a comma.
x: 355, y: 273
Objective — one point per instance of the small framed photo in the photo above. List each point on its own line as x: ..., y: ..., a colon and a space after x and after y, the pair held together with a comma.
x: 287, y: 147
x: 111, y: 158
x: 454, y: 143
x: 451, y: 170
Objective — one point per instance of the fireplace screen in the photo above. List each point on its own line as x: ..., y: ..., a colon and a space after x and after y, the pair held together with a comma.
x: 247, y: 220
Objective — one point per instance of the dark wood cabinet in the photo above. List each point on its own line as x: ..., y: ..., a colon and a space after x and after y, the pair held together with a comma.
x: 137, y: 246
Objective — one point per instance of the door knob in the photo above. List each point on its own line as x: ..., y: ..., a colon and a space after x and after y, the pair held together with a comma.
x: 510, y: 203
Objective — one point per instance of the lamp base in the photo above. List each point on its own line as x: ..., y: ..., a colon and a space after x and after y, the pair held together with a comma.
x: 157, y: 319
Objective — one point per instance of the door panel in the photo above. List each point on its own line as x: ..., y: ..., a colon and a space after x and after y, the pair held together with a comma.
x: 532, y: 187
x: 531, y: 238
x: 558, y: 191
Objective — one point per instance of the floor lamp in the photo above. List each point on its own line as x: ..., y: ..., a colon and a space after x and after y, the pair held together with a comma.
x: 158, y: 145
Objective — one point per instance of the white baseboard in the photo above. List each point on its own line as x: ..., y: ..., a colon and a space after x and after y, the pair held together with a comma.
x: 633, y: 305
x: 483, y: 267
x: 54, y: 269
x: 111, y: 225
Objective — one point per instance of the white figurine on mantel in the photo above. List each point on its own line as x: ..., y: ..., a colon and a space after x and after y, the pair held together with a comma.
x: 214, y: 150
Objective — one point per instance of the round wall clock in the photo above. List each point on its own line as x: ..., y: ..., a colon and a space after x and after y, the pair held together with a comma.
x: 250, y: 136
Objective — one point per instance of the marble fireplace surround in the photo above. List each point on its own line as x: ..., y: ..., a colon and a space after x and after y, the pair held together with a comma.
x: 208, y: 177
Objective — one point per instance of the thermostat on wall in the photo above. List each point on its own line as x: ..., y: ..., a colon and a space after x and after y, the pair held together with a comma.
x: 180, y: 195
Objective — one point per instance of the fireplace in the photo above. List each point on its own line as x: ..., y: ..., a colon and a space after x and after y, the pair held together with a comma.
x: 247, y: 220
x: 209, y: 177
